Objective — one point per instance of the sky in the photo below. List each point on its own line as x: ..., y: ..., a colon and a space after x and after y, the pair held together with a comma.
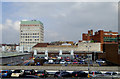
x: 63, y: 21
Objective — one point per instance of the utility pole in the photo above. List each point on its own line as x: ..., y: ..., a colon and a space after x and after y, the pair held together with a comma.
x: 88, y: 60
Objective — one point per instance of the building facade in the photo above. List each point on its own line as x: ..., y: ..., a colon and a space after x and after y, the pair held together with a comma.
x: 100, y: 36
x: 31, y: 33
x: 82, y: 49
x: 9, y: 47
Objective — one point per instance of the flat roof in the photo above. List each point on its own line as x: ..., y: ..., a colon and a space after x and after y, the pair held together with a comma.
x: 31, y: 22
x: 10, y: 54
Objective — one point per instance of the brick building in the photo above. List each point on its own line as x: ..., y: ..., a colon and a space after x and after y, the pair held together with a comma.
x: 111, y: 53
x: 100, y: 36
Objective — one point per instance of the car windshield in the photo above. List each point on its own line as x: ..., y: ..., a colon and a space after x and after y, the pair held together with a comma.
x: 65, y: 73
x: 57, y: 73
x: 78, y: 72
x: 28, y: 70
x: 40, y: 72
x: 17, y: 71
x: 114, y: 73
x: 4, y: 71
x: 99, y: 60
x: 98, y: 73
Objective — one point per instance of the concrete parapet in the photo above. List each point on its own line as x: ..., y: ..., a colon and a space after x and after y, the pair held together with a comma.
x: 73, y: 68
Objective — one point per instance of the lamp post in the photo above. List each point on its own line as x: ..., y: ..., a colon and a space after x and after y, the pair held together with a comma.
x: 88, y: 60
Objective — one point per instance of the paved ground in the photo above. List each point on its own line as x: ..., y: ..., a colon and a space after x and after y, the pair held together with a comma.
x: 102, y: 68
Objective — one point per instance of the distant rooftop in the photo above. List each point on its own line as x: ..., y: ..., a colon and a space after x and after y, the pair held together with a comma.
x: 32, y: 22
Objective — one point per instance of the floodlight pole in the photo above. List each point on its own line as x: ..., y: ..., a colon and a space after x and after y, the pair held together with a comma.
x: 88, y: 60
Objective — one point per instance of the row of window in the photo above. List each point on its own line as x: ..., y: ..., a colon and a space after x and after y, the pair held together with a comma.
x: 30, y: 25
x: 111, y: 37
x: 29, y: 42
x: 29, y: 33
x: 31, y: 39
x: 29, y: 36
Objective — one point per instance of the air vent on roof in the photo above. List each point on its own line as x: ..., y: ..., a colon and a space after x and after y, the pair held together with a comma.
x: 33, y: 20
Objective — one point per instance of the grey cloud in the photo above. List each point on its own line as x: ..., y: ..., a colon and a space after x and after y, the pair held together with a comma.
x: 68, y: 20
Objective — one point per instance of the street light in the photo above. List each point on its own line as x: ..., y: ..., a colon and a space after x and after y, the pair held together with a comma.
x: 88, y: 60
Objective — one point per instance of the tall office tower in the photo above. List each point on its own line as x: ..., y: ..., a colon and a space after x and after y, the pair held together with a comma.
x: 31, y: 33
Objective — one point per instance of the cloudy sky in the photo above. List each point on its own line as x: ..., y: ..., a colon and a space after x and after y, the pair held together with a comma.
x: 62, y: 20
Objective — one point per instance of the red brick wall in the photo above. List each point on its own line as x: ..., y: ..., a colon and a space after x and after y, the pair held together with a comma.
x: 112, y: 55
x: 98, y: 36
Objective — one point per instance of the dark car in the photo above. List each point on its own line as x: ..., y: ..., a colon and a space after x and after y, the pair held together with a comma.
x: 110, y: 73
x: 5, y: 73
x: 62, y: 74
x: 29, y: 76
x: 29, y: 72
x: 41, y: 73
x: 57, y: 62
x: 79, y: 74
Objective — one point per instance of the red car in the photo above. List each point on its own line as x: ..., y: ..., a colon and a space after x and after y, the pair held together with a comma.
x: 75, y: 62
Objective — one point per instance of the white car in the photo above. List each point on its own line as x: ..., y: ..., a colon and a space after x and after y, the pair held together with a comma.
x: 50, y: 61
x: 17, y: 73
x: 62, y: 62
x: 100, y: 61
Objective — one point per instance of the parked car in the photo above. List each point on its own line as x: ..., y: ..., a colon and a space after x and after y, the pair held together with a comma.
x: 62, y: 62
x: 29, y: 76
x: 100, y: 61
x: 95, y: 73
x: 68, y: 62
x: 41, y: 73
x: 17, y: 73
x: 5, y: 73
x: 82, y: 62
x: 45, y: 62
x: 29, y: 72
x: 79, y: 74
x: 50, y: 61
x: 75, y: 62
x: 57, y: 62
x: 110, y: 73
x: 38, y: 64
x: 62, y: 74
